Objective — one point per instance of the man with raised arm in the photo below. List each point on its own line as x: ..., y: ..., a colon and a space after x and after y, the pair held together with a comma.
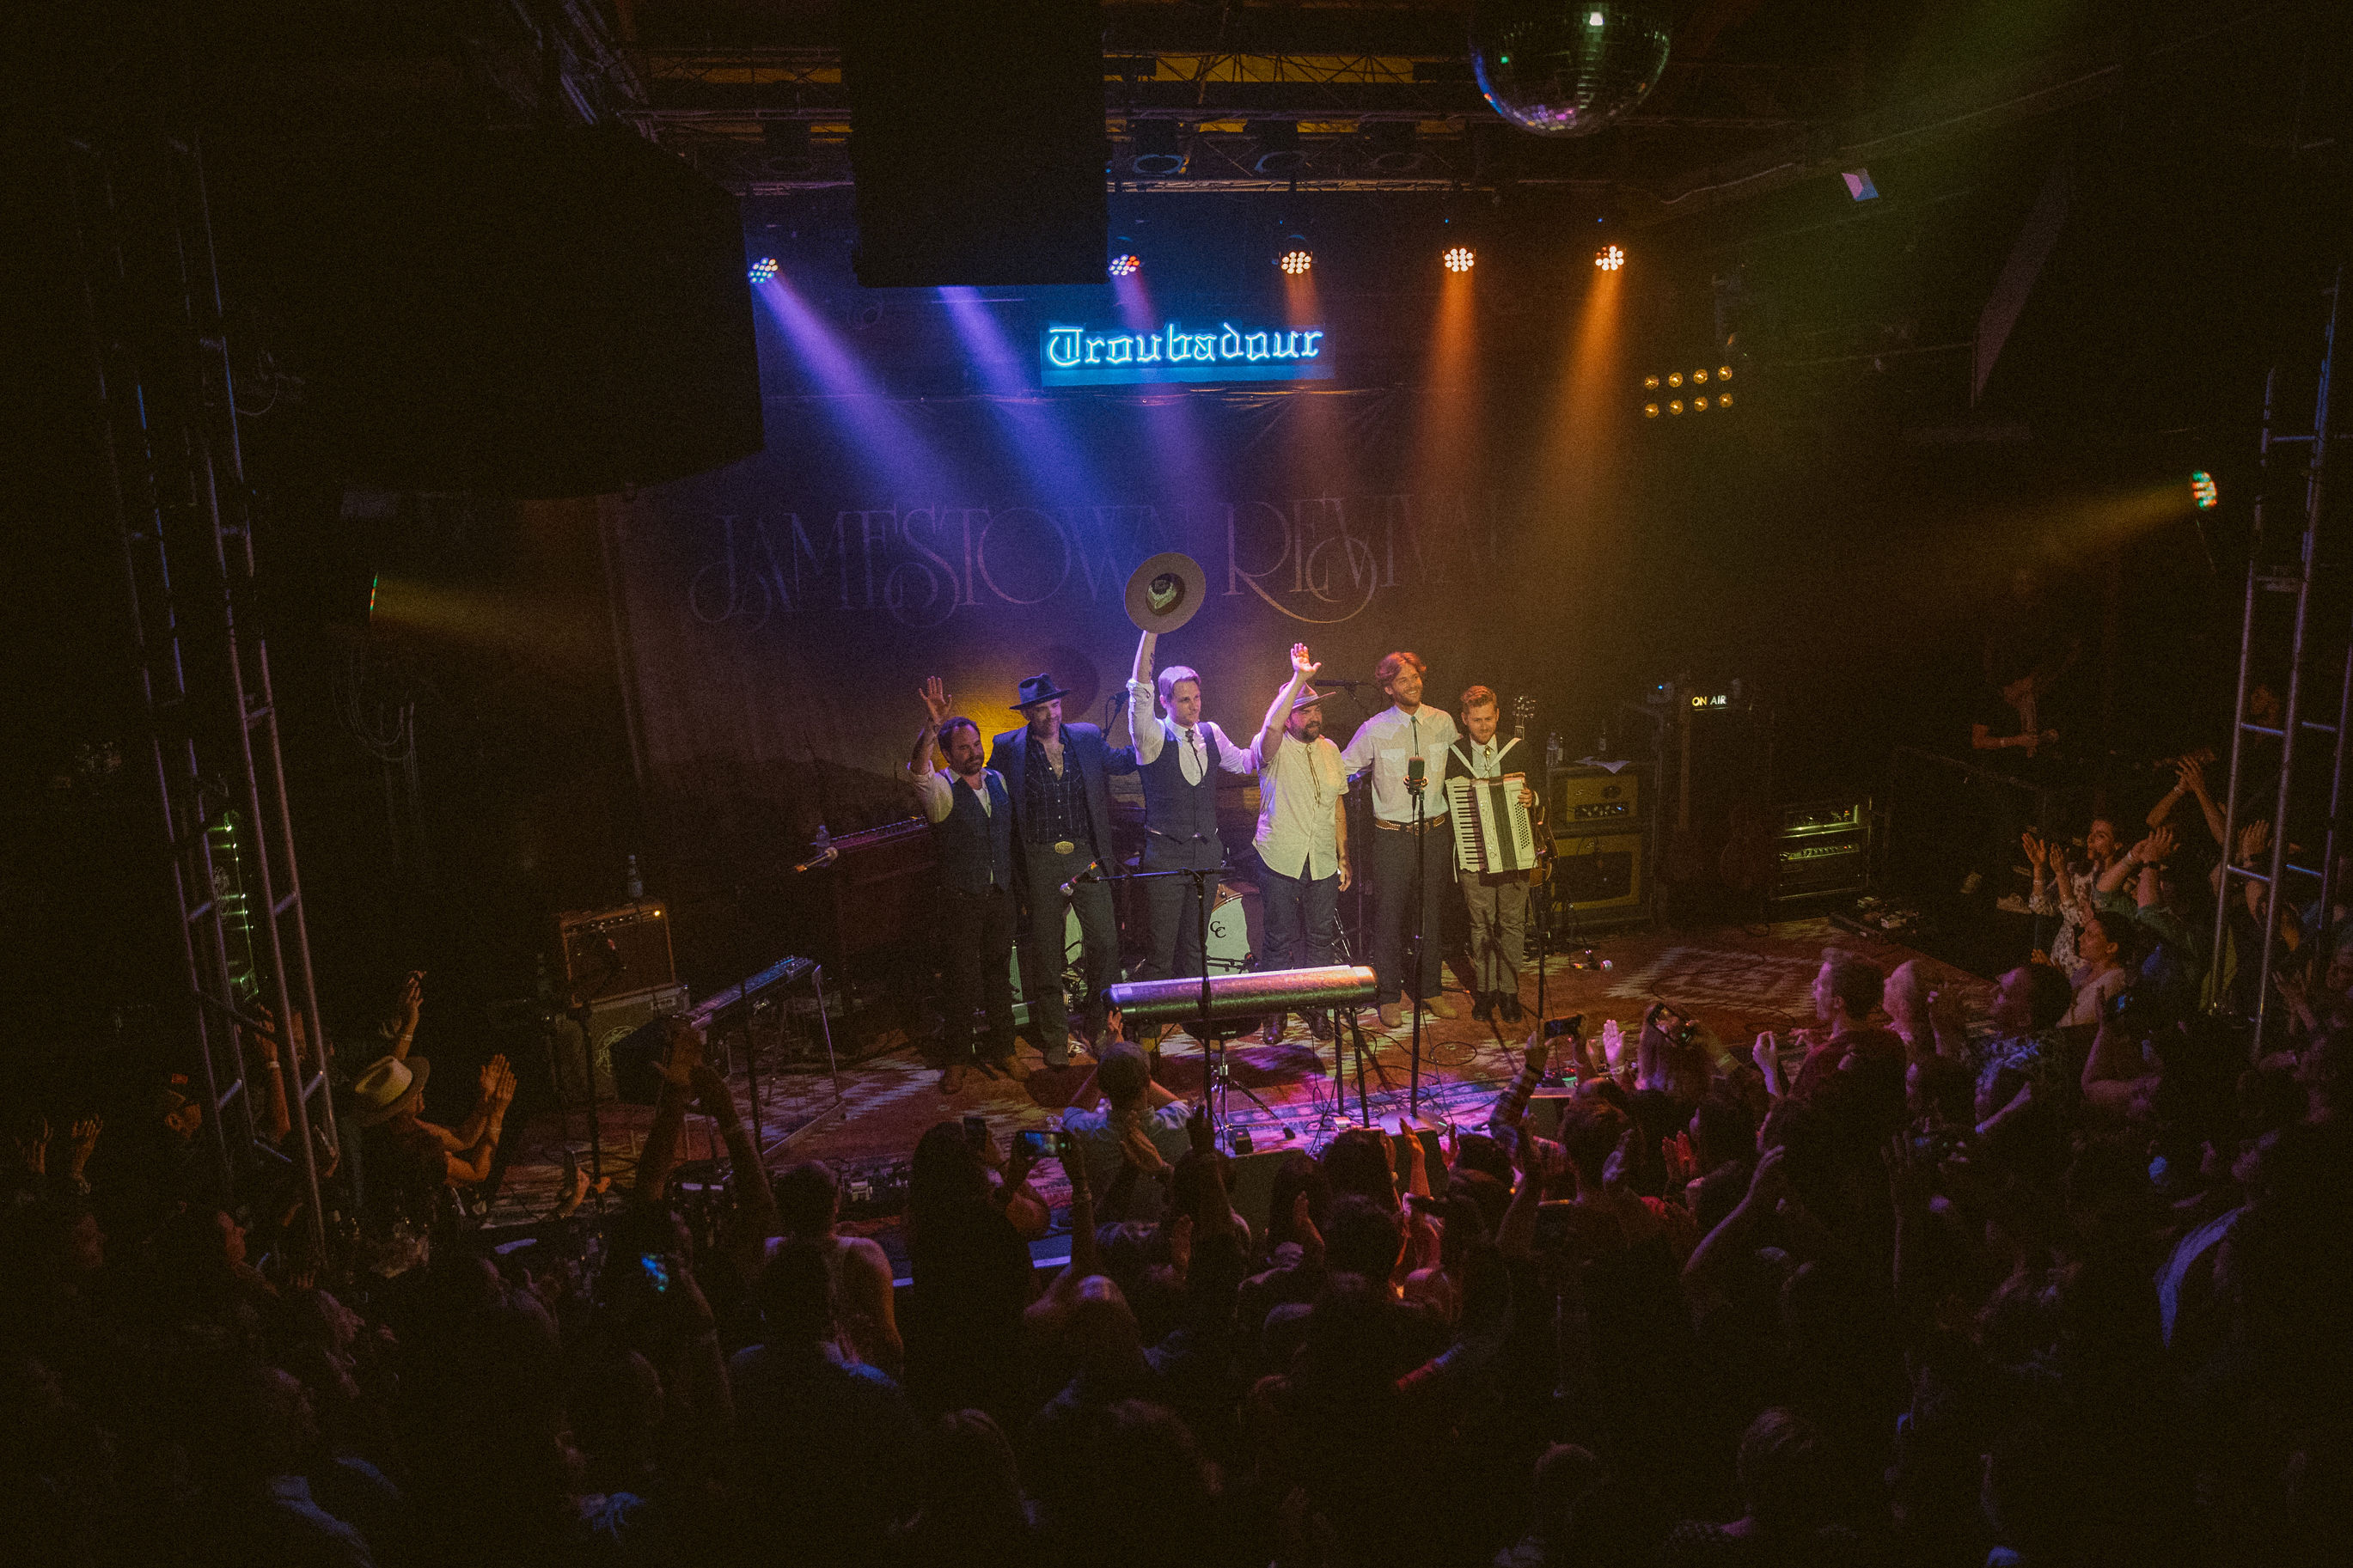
x: 1303, y: 831
x: 1179, y: 757
x: 971, y: 815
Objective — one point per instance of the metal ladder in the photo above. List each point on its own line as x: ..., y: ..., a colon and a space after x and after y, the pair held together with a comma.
x: 161, y: 395
x: 2303, y: 579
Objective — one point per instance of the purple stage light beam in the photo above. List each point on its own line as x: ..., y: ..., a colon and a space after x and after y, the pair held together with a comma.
x: 856, y: 400
x: 1033, y: 420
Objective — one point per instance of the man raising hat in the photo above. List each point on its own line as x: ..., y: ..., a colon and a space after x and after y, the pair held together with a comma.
x: 1179, y: 757
x: 1054, y: 774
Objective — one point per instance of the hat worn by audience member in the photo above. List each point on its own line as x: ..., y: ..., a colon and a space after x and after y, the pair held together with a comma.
x: 387, y: 1086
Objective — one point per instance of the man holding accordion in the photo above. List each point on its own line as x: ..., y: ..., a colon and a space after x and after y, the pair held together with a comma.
x: 1497, y: 895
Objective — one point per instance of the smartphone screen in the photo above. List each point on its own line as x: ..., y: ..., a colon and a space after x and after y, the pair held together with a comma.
x: 976, y: 1130
x: 1572, y: 1026
x: 656, y: 1271
x: 1036, y: 1144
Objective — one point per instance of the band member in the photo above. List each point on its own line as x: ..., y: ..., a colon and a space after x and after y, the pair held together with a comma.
x: 1498, y: 901
x: 1303, y: 832
x: 1179, y: 757
x: 1061, y: 818
x: 971, y: 815
x: 1400, y: 743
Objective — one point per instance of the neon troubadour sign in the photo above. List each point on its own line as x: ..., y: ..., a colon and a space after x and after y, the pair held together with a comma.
x: 1078, y: 356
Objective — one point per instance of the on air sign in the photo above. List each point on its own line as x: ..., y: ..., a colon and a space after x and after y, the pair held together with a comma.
x: 1082, y: 356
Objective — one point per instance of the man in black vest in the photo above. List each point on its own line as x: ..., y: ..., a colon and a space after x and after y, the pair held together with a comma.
x: 1061, y: 817
x: 972, y: 824
x: 1497, y: 900
x: 1180, y: 757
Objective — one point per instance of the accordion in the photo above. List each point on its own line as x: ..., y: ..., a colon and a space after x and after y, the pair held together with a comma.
x: 1491, y: 831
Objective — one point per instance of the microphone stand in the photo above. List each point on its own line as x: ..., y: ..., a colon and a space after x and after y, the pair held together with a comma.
x: 1420, y: 849
x: 1216, y: 1078
x: 582, y: 1010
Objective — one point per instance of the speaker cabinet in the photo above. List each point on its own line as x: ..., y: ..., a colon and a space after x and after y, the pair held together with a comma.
x: 976, y: 141
x: 612, y: 1023
x: 1598, y: 872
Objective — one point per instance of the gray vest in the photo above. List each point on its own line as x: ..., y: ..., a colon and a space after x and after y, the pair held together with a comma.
x: 1180, y: 819
x: 975, y: 846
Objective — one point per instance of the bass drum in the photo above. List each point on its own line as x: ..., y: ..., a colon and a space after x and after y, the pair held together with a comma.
x: 1074, y: 970
x: 1236, y: 929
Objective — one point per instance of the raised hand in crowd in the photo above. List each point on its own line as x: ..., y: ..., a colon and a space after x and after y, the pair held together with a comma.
x: 937, y: 704
x: 32, y: 1146
x: 2038, y: 851
x: 84, y: 1140
x: 411, y: 1005
x: 1682, y: 1164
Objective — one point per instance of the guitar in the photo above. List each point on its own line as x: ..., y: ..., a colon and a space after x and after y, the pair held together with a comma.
x: 1524, y: 707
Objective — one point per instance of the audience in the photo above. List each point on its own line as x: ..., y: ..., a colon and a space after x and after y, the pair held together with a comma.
x: 2066, y: 1289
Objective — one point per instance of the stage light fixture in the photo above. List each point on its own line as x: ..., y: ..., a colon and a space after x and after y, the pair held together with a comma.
x: 1457, y: 259
x: 1649, y: 383
x: 1699, y: 406
x: 1724, y: 400
x: 2204, y: 490
x: 1675, y: 378
x: 1650, y: 411
x: 1676, y: 407
x: 1126, y: 265
x: 1159, y: 149
x: 764, y: 269
x: 1724, y: 373
x: 1699, y: 376
x: 1610, y: 258
x: 1295, y: 258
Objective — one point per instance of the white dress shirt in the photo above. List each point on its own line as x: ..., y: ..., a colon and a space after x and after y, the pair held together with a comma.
x: 1194, y: 742
x: 1298, y: 791
x: 1388, y: 737
x: 937, y: 789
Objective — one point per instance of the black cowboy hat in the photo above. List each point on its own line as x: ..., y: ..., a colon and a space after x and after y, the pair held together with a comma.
x: 1038, y: 688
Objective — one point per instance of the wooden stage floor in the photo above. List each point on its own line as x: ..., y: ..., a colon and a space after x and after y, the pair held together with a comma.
x: 1734, y: 981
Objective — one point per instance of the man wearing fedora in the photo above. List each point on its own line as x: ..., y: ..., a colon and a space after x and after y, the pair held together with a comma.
x: 1054, y: 774
x: 1180, y: 757
x: 390, y: 1092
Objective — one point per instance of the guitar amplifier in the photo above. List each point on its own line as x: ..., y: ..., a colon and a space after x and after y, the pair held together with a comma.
x: 1588, y: 799
x: 1822, y: 850
x: 611, y: 1023
x: 611, y: 952
x: 1598, y: 872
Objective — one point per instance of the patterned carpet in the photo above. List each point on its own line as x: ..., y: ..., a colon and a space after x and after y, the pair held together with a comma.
x: 1733, y: 981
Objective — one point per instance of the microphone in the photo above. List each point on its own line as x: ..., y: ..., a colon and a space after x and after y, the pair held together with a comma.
x: 1091, y: 874
x: 826, y: 857
x: 1417, y: 773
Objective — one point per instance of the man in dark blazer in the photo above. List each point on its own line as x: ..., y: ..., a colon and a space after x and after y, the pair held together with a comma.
x: 1062, y: 816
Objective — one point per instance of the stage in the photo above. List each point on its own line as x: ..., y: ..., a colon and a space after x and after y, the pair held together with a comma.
x: 1734, y: 981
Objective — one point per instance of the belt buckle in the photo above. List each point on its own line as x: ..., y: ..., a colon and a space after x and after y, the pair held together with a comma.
x: 1064, y: 846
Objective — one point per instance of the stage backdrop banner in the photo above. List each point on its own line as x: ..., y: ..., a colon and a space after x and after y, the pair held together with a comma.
x: 777, y: 616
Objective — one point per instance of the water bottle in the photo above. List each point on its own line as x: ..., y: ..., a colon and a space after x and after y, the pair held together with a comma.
x: 637, y: 886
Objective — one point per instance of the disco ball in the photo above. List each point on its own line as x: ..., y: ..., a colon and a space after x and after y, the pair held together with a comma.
x: 1567, y: 68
